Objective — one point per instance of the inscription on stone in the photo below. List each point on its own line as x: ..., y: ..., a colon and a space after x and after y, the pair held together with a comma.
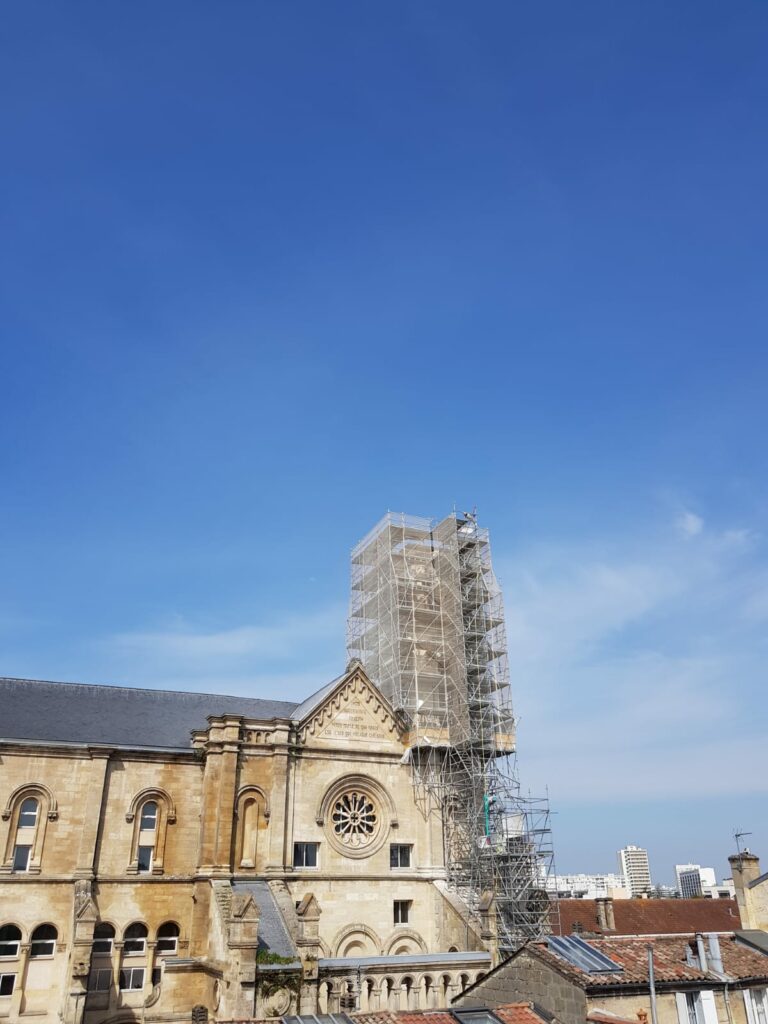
x: 353, y: 723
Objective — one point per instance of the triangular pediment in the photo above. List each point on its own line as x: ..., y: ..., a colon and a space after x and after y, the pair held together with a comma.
x: 353, y: 714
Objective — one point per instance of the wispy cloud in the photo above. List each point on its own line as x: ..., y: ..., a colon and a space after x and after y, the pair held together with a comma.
x: 638, y: 667
x: 293, y: 654
x: 689, y: 524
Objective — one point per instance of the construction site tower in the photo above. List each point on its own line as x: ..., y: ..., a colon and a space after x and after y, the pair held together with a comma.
x: 427, y: 623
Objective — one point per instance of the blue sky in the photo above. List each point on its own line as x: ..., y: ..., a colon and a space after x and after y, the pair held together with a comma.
x: 269, y: 270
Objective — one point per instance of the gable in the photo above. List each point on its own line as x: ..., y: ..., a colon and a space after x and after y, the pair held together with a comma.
x: 354, y: 714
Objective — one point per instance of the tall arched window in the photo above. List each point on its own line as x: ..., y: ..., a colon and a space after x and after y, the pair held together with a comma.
x: 43, y: 941
x: 10, y: 941
x: 151, y: 812
x: 168, y: 938
x: 28, y: 811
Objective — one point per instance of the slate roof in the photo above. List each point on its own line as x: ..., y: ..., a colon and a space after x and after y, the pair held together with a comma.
x: 649, y: 917
x: 669, y: 961
x: 32, y: 709
x: 754, y: 937
x: 273, y: 935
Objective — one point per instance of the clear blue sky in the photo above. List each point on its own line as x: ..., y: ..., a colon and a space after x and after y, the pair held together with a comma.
x: 269, y: 269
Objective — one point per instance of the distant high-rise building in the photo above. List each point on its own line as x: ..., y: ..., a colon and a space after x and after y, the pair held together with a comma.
x: 588, y: 887
x: 633, y: 864
x: 694, y: 880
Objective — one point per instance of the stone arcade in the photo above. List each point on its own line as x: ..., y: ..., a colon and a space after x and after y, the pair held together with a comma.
x: 169, y: 854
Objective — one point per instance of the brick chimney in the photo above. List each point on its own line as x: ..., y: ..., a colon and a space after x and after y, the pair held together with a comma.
x: 745, y: 868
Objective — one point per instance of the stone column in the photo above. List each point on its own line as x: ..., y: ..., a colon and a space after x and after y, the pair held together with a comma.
x: 94, y: 809
x: 219, y: 788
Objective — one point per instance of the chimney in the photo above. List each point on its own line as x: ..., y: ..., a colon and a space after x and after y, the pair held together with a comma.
x: 702, y: 952
x: 605, y: 917
x: 715, y: 956
x: 745, y: 868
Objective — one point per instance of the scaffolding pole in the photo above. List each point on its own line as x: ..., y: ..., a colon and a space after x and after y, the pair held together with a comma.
x: 427, y: 623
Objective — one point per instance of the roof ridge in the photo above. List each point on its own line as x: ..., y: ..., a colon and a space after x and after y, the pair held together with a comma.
x: 142, y: 689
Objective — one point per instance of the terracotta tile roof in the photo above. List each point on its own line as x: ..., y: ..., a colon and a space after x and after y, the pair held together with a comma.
x: 510, y: 1013
x: 650, y: 917
x: 670, y: 964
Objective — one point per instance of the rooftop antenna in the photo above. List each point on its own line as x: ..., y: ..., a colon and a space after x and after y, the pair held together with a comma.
x: 738, y: 835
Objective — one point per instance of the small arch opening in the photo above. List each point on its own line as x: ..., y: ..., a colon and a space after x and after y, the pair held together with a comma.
x: 43, y: 941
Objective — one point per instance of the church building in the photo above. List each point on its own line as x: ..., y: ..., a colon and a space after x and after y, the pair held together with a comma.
x: 174, y: 856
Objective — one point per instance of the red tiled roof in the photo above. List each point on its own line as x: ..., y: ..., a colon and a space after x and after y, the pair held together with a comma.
x: 511, y: 1013
x: 669, y: 961
x: 649, y: 917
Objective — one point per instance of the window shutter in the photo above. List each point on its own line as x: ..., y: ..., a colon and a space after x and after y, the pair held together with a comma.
x: 748, y: 1006
x: 682, y: 1008
x: 708, y: 1006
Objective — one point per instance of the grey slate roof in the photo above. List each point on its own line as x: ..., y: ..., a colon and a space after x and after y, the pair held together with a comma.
x: 315, y: 699
x: 32, y: 709
x: 273, y: 935
x: 753, y: 937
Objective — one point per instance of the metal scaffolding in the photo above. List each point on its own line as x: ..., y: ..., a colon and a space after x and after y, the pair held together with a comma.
x: 427, y: 623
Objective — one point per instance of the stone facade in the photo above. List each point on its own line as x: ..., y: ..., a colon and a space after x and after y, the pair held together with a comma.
x: 751, y: 890
x: 141, y: 860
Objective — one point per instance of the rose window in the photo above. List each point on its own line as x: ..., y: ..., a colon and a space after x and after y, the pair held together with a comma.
x: 355, y: 821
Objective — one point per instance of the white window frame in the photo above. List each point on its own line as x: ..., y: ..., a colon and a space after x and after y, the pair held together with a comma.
x: 129, y: 972
x: 36, y: 944
x: 140, y: 870
x: 22, y: 812
x: 398, y: 908
x: 135, y: 952
x: 154, y: 817
x: 307, y: 846
x: 109, y: 941
x: 167, y: 950
x: 25, y: 870
x: 7, y: 995
x: 11, y: 942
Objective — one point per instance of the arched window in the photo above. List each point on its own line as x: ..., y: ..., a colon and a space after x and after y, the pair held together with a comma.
x: 151, y: 812
x: 10, y: 940
x: 148, y: 820
x: 43, y: 941
x: 103, y: 937
x: 28, y: 811
x: 135, y: 939
x: 168, y: 937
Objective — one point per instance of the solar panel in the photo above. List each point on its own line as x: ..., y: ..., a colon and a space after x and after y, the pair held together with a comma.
x: 579, y: 953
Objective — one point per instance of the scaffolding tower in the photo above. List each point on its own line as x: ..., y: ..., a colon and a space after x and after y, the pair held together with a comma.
x: 427, y: 623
